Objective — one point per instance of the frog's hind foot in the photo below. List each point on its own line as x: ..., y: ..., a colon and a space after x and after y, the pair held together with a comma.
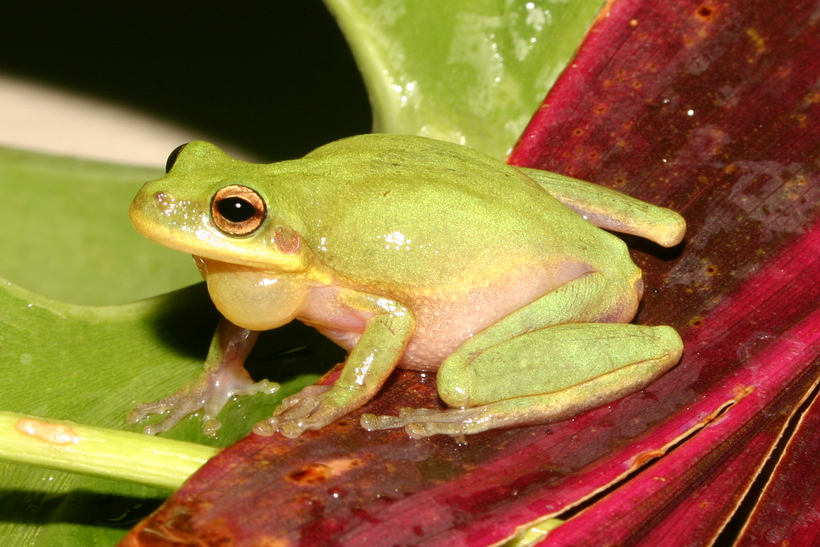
x: 424, y: 422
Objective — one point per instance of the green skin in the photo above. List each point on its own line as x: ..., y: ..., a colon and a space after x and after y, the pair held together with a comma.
x: 420, y: 254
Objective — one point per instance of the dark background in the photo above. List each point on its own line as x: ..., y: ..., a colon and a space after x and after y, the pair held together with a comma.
x: 274, y: 77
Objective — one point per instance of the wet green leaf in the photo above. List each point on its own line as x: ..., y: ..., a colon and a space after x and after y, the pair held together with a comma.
x: 461, y: 71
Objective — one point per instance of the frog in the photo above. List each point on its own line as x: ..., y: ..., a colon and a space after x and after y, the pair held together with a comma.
x: 408, y: 252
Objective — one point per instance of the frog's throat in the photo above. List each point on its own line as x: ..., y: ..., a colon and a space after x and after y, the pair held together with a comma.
x: 253, y: 299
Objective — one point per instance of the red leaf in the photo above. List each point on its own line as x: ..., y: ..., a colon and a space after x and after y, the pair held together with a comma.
x: 710, y: 108
x: 787, y: 512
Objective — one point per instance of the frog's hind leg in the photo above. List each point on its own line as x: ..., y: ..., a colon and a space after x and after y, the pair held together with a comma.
x: 543, y: 376
x: 566, y: 352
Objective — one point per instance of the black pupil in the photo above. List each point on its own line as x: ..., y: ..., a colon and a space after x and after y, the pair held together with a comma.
x: 236, y: 209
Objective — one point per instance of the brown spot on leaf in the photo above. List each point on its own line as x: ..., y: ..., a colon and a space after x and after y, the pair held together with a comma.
x: 757, y: 41
x: 318, y: 473
x: 310, y: 474
x: 705, y: 12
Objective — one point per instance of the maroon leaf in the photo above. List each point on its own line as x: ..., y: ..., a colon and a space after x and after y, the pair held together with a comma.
x: 710, y: 108
x: 787, y: 512
x: 690, y: 493
x: 726, y: 130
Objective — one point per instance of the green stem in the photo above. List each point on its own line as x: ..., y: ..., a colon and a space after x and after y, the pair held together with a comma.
x: 110, y: 453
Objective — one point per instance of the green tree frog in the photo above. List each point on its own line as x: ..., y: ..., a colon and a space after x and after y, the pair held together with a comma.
x: 413, y: 253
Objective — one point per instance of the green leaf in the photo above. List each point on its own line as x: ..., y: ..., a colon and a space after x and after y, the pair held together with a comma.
x: 461, y: 71
x: 92, y: 365
x: 65, y: 223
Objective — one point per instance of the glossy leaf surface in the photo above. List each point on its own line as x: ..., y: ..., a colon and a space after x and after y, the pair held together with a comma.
x: 465, y: 71
x: 712, y: 109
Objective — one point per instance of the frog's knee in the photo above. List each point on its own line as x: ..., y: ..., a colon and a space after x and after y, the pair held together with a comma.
x: 453, y: 384
x: 619, y: 297
x: 669, y: 340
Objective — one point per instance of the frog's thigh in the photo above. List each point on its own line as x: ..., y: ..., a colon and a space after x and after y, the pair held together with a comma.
x: 592, y: 298
x: 576, y: 366
x: 541, y: 376
x: 544, y: 376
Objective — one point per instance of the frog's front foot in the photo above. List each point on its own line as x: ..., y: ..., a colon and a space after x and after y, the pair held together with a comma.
x: 209, y: 393
x: 424, y: 422
x: 311, y: 408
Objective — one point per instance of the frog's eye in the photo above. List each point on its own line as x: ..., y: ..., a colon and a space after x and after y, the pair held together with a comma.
x: 237, y: 210
x: 172, y: 157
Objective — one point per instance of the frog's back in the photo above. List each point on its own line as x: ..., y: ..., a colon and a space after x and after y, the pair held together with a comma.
x: 424, y: 212
x: 369, y: 163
